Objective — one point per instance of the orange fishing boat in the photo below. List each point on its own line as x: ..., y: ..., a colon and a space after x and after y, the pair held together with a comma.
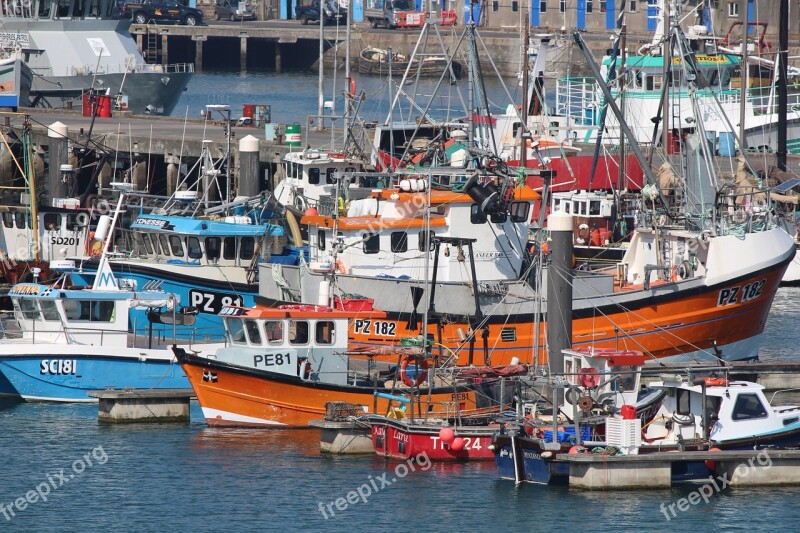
x: 282, y: 366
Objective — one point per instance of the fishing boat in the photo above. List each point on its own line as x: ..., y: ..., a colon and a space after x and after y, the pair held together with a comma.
x: 15, y: 83
x: 282, y: 365
x: 375, y: 61
x: 458, y: 437
x: 73, y: 48
x: 699, y: 414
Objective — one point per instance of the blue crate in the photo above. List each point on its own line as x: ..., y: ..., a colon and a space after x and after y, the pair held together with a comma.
x: 568, y: 435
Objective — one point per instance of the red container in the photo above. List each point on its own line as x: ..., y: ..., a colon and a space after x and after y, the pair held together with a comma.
x: 628, y: 412
x: 248, y: 110
x: 595, y: 237
x: 353, y: 304
x: 86, y: 105
x: 103, y: 106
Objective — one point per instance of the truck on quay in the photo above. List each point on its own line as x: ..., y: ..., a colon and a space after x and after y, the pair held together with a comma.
x: 401, y: 14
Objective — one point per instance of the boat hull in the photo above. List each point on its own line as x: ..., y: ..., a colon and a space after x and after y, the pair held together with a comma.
x: 697, y: 318
x: 68, y: 373
x: 400, y: 439
x: 231, y: 395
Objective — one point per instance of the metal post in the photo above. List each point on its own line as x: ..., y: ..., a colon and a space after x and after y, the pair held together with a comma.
x: 559, y: 295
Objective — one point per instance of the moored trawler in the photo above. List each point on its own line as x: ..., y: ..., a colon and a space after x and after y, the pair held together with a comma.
x: 73, y: 47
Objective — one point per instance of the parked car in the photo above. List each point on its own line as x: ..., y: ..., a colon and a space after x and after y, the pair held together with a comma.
x: 308, y: 11
x: 146, y: 11
x: 230, y: 10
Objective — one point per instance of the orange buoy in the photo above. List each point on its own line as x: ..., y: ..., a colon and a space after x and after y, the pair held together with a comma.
x: 712, y: 465
x: 311, y: 212
x: 447, y: 435
x: 458, y: 444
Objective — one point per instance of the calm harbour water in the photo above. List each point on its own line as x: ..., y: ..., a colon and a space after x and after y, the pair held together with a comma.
x: 294, y: 95
x: 194, y: 478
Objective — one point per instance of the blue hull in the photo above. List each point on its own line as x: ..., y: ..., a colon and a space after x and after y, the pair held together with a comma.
x: 208, y: 299
x: 73, y: 378
x: 7, y: 390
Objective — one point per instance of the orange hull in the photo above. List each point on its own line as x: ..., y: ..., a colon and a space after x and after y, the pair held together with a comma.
x: 232, y: 396
x: 665, y: 325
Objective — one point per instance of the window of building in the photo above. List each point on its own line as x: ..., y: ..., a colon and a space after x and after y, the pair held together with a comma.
x: 603, y: 5
x: 176, y: 245
x: 229, y: 248
x: 313, y: 176
x: 514, y: 6
x: 372, y: 244
x: 748, y: 407
x: 193, y: 248
x: 298, y: 332
x: 212, y: 248
x: 562, y: 6
x: 324, y: 333
x: 543, y: 6
x: 253, y: 334
x: 588, y: 6
x: 632, y: 8
x: 733, y: 10
x: 495, y: 5
x: 399, y: 242
x: 247, y: 248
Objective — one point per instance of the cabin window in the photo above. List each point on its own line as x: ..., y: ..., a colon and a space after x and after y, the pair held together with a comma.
x: 154, y: 240
x: 8, y: 219
x: 77, y: 9
x: 253, y: 334
x: 331, y: 175
x: 476, y: 216
x: 425, y: 236
x: 313, y: 176
x: 229, y: 248
x: 193, y: 248
x: 176, y: 245
x: 652, y: 83
x: 683, y: 402
x: 236, y: 330
x: 399, y: 242
x: 19, y: 219
x: 164, y: 243
x: 594, y: 208
x: 321, y: 240
x: 580, y: 208
x: 44, y: 9
x: 626, y: 380
x: 212, y: 248
x: 274, y: 331
x: 247, y: 249
x: 748, y: 407
x: 519, y: 211
x: 88, y: 310
x: 139, y: 246
x: 50, y: 310
x: 52, y: 221
x: 94, y: 8
x: 568, y: 207
x: 63, y: 8
x: 325, y: 332
x: 298, y: 332
x: 29, y: 309
x: 372, y: 243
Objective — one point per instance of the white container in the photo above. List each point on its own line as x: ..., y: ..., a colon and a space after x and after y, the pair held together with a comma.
x: 102, y: 228
x: 238, y: 219
x: 625, y: 434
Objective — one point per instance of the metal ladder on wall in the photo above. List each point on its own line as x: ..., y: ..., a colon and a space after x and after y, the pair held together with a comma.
x: 151, y: 51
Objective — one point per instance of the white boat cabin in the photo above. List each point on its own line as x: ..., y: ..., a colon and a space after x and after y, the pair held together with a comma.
x: 63, y: 232
x: 733, y: 411
x: 312, y: 174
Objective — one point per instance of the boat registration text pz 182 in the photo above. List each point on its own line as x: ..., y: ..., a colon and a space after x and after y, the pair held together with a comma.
x: 749, y: 292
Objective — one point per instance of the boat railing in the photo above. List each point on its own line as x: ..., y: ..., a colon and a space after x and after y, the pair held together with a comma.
x: 577, y: 98
x: 742, y: 209
x: 120, y: 68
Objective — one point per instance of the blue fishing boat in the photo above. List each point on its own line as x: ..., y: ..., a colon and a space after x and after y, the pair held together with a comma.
x: 208, y: 263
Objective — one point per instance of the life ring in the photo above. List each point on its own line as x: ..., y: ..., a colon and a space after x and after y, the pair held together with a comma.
x: 300, y: 203
x: 82, y: 219
x: 684, y: 270
x: 573, y: 395
x: 303, y: 368
x: 341, y: 268
x: 715, y: 382
x: 421, y: 364
x: 588, y: 377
